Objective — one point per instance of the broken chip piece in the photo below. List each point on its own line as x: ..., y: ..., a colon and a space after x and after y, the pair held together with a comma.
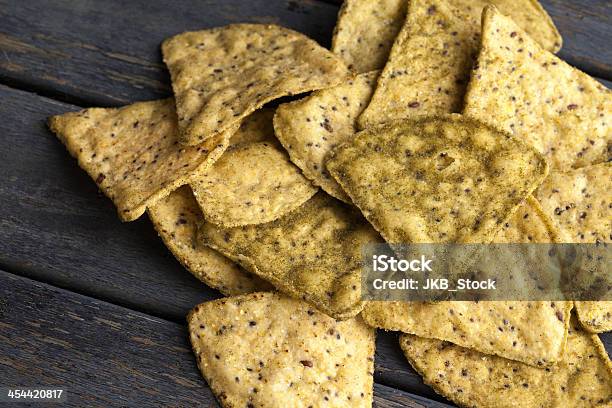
x: 268, y: 350
x: 133, y: 153
x: 221, y: 75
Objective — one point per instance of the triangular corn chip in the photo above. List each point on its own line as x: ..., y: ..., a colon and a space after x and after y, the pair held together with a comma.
x: 583, y: 378
x: 133, y: 153
x: 251, y: 184
x: 220, y: 76
x: 311, y: 127
x: 430, y: 62
x: 268, y: 350
x: 313, y: 253
x: 437, y: 179
x: 519, y: 87
x: 365, y: 32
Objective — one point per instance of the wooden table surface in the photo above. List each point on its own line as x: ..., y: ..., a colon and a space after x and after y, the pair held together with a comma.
x: 96, y: 306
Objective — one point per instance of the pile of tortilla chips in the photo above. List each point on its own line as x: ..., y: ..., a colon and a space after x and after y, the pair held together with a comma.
x: 430, y: 121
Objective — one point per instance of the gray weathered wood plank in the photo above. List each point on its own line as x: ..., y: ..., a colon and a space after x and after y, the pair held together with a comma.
x: 56, y: 227
x: 106, y: 355
x: 107, y: 53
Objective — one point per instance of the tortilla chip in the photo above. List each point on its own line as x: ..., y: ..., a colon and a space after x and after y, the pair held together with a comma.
x: 582, y: 379
x: 251, y: 184
x: 531, y: 332
x: 595, y: 316
x: 365, y: 32
x: 521, y: 88
x: 313, y: 253
x: 175, y: 219
x: 268, y: 350
x: 430, y: 62
x: 311, y: 127
x: 580, y: 204
x: 437, y: 179
x: 220, y: 76
x: 132, y: 152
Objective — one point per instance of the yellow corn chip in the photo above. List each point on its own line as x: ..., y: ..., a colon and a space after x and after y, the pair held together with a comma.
x: 268, y: 350
x: 583, y: 378
x: 430, y: 62
x: 251, y: 184
x: 313, y: 253
x: 132, y: 152
x: 437, y: 179
x: 531, y: 332
x: 175, y: 218
x: 311, y: 127
x: 521, y: 88
x: 220, y: 76
x: 365, y: 32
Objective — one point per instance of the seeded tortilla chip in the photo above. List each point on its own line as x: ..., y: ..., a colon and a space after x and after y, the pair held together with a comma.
x: 175, y: 218
x: 595, y: 316
x: 437, y: 179
x: 313, y: 253
x: 365, y: 32
x: 521, y: 88
x: 580, y: 204
x: 133, y: 154
x: 429, y: 65
x: 311, y: 127
x: 251, y: 184
x: 531, y: 332
x: 268, y: 350
x: 583, y: 378
x: 220, y: 76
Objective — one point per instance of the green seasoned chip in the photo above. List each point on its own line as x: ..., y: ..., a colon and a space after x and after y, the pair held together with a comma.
x: 437, y: 179
x: 313, y: 253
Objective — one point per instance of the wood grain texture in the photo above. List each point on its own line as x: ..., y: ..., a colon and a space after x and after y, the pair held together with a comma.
x: 107, y: 53
x: 106, y: 355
